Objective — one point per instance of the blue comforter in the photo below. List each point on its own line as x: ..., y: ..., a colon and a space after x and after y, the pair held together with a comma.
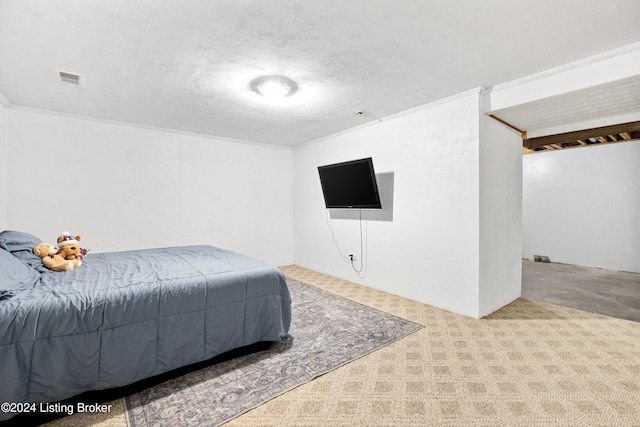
x: 125, y: 316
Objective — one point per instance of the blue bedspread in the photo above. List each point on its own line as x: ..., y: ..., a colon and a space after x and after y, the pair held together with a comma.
x: 125, y: 316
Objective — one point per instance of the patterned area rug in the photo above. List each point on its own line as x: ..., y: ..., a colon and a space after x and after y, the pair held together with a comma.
x: 327, y: 331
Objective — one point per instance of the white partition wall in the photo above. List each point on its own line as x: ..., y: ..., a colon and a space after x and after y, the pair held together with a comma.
x: 500, y: 215
x: 431, y: 250
x: 582, y: 206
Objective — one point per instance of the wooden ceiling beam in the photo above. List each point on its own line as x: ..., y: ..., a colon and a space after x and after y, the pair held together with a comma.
x: 522, y: 132
x: 567, y: 137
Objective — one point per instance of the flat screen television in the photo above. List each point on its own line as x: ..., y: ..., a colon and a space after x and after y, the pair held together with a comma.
x: 350, y: 185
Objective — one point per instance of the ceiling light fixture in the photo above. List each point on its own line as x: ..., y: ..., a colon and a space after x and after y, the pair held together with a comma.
x: 273, y: 87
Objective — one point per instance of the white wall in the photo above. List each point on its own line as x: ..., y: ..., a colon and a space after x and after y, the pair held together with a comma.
x: 429, y: 252
x: 3, y: 166
x: 582, y: 206
x: 500, y: 215
x: 123, y: 187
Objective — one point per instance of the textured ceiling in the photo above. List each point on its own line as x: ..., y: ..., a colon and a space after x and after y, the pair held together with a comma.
x: 605, y: 100
x: 186, y: 65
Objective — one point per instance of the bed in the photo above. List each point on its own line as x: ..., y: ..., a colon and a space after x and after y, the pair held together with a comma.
x: 125, y: 316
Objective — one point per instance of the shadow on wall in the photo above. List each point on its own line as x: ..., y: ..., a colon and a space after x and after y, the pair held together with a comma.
x: 385, y: 189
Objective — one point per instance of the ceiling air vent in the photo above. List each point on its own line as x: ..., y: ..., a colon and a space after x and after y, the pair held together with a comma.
x: 72, y: 78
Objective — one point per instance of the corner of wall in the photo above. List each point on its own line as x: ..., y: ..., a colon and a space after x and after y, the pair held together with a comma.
x: 433, y: 154
x: 500, y: 215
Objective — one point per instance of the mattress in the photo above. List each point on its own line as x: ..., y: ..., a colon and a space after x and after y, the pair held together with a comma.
x: 125, y: 316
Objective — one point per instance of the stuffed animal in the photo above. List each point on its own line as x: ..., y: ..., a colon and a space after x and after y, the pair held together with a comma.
x: 70, y: 249
x: 83, y: 253
x: 51, y: 259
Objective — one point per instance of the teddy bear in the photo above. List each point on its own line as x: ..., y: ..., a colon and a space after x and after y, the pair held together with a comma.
x: 51, y: 259
x: 69, y: 249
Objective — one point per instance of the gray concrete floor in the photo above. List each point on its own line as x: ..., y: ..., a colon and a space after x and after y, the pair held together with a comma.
x: 613, y: 293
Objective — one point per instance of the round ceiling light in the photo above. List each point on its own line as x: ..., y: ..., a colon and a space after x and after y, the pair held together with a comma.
x: 274, y: 87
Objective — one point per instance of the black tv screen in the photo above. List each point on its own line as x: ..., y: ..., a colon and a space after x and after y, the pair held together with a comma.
x: 350, y: 185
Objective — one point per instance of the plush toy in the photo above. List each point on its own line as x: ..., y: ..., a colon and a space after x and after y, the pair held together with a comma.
x: 83, y: 253
x: 51, y: 259
x: 70, y: 249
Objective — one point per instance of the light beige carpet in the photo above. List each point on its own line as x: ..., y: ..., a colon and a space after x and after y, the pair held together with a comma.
x: 529, y: 364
